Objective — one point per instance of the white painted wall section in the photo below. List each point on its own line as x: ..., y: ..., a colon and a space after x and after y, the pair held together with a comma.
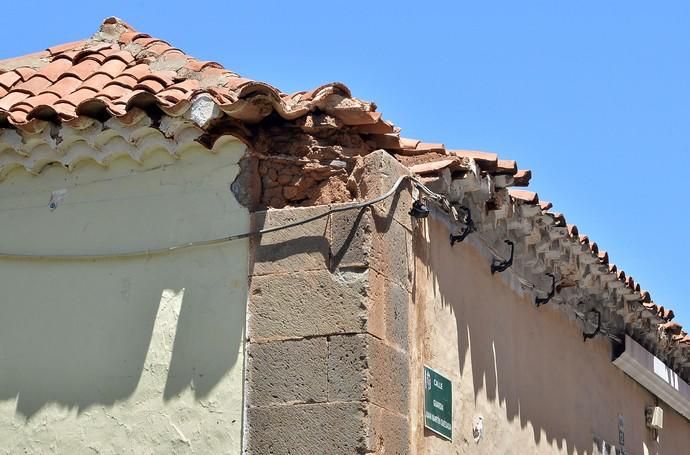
x: 136, y: 355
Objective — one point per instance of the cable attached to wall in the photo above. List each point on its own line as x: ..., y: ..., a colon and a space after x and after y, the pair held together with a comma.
x: 539, y: 301
x: 496, y: 266
x: 230, y: 238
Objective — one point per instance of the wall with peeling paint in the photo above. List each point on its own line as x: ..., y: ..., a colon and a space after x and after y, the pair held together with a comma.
x: 129, y: 355
x: 525, y: 371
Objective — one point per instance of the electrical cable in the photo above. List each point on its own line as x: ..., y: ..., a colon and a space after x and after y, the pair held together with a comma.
x: 440, y: 199
x: 230, y: 238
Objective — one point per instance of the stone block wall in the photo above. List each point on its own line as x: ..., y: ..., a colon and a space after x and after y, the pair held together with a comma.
x: 328, y: 365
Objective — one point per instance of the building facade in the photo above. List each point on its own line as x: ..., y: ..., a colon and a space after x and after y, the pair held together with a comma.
x: 194, y: 262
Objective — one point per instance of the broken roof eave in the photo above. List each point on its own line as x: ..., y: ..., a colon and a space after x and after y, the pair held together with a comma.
x: 126, y: 81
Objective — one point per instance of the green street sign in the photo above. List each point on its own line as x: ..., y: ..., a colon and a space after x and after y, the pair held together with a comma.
x: 438, y: 403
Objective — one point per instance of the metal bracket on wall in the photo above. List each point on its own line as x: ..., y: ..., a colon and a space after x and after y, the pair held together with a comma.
x: 498, y: 265
x: 469, y: 227
x: 538, y: 301
x: 419, y: 209
x: 586, y: 336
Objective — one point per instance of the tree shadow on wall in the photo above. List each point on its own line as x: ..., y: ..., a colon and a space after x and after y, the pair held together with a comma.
x: 517, y: 355
x: 78, y: 334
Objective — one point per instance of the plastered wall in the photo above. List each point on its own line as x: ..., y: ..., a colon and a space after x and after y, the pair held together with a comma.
x: 124, y: 355
x: 525, y: 371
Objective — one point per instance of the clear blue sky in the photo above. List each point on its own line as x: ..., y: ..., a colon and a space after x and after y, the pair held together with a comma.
x: 593, y: 96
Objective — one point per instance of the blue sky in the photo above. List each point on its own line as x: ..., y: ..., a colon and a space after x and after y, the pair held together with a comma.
x: 593, y: 96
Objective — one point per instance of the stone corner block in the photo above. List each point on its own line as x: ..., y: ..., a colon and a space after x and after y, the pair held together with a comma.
x: 390, y: 253
x: 289, y: 371
x: 388, y: 311
x: 307, y: 304
x: 362, y: 367
x: 323, y: 428
x: 351, y: 239
x: 389, y: 432
x: 303, y: 247
x: 381, y: 170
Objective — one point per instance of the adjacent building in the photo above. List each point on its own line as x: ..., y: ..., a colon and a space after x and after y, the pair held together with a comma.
x: 195, y: 262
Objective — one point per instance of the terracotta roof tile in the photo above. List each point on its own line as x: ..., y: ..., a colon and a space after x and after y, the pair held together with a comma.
x: 128, y: 37
x: 114, y: 91
x: 522, y: 177
x: 164, y: 77
x: 53, y: 70
x: 603, y: 257
x: 34, y: 84
x: 198, y: 65
x: 9, y: 78
x: 44, y: 99
x: 406, y: 143
x: 64, y: 86
x: 433, y: 166
x: 506, y: 167
x: 529, y: 197
x: 65, y: 47
x: 173, y: 94
x: 83, y: 69
x: 97, y: 81
x: 187, y: 85
x: 25, y: 73
x: 483, y: 158
x: 545, y: 205
x: 112, y: 67
x: 12, y: 98
x: 78, y: 96
x: 137, y: 71
x: 150, y: 85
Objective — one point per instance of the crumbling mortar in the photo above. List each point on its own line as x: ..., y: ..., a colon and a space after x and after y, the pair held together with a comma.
x: 281, y: 339
x: 305, y: 166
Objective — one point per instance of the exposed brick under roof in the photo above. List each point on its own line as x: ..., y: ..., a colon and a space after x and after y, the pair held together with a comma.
x: 119, y: 71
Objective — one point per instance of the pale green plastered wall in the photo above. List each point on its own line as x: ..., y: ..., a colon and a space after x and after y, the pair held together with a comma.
x: 139, y: 355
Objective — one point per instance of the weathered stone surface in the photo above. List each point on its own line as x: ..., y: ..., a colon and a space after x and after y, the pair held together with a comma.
x: 309, y: 429
x: 388, y: 311
x: 287, y: 371
x: 307, y: 303
x: 360, y: 239
x: 348, y: 368
x: 380, y: 174
x: 390, y: 251
x: 390, y: 376
x: 362, y: 367
x: 389, y: 431
x: 303, y: 247
x: 351, y: 236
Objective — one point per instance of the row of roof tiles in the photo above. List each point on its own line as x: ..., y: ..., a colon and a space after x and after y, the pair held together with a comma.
x: 119, y: 68
x: 602, y: 257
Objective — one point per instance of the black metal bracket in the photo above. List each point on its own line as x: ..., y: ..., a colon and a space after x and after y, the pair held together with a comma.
x: 586, y: 336
x: 538, y: 301
x: 498, y: 265
x: 419, y: 209
x: 469, y: 227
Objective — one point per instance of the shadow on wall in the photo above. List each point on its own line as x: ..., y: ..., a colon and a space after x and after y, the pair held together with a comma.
x: 79, y: 334
x: 521, y: 357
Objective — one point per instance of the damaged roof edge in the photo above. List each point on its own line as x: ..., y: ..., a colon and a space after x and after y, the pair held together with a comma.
x: 122, y: 73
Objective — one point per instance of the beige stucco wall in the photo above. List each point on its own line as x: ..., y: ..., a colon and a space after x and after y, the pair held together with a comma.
x: 525, y: 371
x: 138, y: 355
